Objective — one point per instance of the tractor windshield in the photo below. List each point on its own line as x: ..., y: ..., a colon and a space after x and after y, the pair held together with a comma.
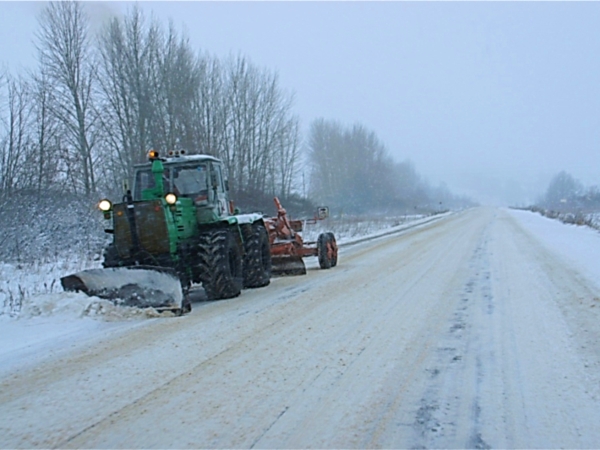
x: 191, y: 181
x: 185, y: 181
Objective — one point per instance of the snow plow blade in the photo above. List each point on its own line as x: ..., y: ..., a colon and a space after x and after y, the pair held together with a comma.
x: 139, y: 286
x: 287, y: 265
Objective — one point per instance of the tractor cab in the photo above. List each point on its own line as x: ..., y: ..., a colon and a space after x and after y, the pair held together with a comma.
x: 190, y: 179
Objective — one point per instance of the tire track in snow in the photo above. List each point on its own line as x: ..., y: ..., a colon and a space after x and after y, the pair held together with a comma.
x: 441, y: 261
x: 497, y: 377
x: 442, y: 415
x: 441, y: 354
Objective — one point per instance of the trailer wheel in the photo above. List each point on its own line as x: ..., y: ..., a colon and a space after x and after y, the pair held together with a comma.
x: 257, y: 259
x: 220, y: 258
x: 325, y: 251
x: 333, y: 242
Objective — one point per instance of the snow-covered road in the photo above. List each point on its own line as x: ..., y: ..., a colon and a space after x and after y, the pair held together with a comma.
x: 465, y: 332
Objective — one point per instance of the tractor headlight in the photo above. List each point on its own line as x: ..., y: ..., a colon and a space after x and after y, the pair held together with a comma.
x: 170, y: 198
x: 105, y: 205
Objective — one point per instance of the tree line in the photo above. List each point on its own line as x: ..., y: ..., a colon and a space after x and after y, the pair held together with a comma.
x: 351, y: 168
x: 565, y: 193
x: 95, y: 105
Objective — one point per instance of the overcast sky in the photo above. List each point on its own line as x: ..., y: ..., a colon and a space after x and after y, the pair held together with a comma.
x: 491, y: 98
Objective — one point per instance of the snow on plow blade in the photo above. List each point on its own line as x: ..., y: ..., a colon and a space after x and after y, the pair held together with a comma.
x: 287, y: 265
x: 140, y: 286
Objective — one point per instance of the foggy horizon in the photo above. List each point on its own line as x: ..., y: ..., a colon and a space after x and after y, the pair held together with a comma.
x: 492, y: 99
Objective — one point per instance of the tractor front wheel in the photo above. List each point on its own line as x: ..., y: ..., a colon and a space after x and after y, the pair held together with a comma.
x: 221, y: 264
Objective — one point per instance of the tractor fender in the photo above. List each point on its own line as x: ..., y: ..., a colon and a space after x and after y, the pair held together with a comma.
x: 241, y: 219
x: 248, y: 218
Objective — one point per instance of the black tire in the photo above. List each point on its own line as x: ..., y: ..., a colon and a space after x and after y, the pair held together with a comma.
x: 186, y: 307
x: 324, y: 260
x: 257, y: 258
x: 335, y: 255
x: 220, y: 259
x: 111, y: 257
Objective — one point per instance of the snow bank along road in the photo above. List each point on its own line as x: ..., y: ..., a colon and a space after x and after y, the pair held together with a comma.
x: 465, y: 332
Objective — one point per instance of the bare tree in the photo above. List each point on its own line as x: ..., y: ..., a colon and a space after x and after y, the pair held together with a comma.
x: 65, y: 55
x: 563, y: 189
x: 352, y: 169
x: 326, y: 158
x: 15, y: 145
x: 174, y: 85
x: 210, y: 108
x: 286, y: 158
x: 44, y: 134
x: 128, y: 51
x: 154, y: 92
x: 262, y: 143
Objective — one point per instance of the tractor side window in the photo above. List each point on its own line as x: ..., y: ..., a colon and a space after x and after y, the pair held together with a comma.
x: 218, y: 178
x: 143, y: 180
x: 191, y: 181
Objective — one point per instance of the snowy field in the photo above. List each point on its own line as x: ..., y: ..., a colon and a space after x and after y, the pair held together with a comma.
x: 476, y: 329
x: 35, y: 312
x: 588, y: 218
x: 578, y: 245
x: 26, y: 289
x: 38, y: 318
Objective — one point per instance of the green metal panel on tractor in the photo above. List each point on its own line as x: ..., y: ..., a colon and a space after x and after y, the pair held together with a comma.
x: 184, y: 218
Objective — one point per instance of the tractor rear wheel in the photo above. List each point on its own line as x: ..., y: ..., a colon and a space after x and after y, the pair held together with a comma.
x: 220, y: 258
x: 257, y: 260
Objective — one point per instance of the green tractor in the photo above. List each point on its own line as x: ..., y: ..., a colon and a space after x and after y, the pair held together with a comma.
x: 177, y: 227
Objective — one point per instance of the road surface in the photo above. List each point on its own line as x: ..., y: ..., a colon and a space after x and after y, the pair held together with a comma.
x: 465, y: 332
